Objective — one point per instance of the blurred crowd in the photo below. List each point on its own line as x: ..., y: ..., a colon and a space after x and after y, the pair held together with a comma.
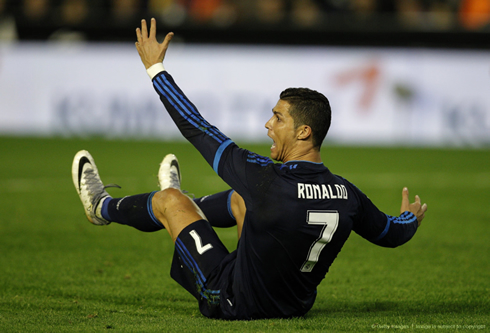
x: 421, y: 15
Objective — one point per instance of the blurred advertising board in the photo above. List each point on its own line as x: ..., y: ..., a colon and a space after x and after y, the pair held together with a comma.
x: 408, y: 97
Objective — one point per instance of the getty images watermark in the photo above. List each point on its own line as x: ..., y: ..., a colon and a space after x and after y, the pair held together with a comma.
x: 427, y: 327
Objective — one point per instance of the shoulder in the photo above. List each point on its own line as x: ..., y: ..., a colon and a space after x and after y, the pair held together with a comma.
x: 260, y: 160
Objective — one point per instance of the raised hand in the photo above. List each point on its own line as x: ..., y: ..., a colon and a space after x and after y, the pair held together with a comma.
x: 150, y: 51
x: 416, y: 208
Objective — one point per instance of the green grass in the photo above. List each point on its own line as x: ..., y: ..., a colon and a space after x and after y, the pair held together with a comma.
x: 58, y: 273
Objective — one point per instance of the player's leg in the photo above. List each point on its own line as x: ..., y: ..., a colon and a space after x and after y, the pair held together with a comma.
x: 200, y: 259
x: 217, y: 209
x: 175, y: 210
x: 223, y: 209
x: 198, y: 248
x: 239, y: 209
x: 134, y: 211
x: 137, y: 210
x: 170, y: 206
x: 100, y: 208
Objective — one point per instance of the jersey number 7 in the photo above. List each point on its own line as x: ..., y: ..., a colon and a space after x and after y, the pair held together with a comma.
x: 329, y: 219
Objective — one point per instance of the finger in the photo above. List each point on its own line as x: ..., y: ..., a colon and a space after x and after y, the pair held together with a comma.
x: 153, y: 29
x: 138, y: 35
x: 420, y: 213
x: 144, y: 29
x: 405, y: 201
x: 417, y: 200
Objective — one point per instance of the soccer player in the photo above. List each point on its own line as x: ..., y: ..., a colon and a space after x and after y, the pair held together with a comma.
x: 293, y: 217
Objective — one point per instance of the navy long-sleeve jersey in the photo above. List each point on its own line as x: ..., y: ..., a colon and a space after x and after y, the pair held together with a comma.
x: 298, y: 217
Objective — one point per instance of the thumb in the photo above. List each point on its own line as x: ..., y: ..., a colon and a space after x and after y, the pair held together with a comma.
x: 405, y: 201
x: 165, y: 44
x: 167, y: 40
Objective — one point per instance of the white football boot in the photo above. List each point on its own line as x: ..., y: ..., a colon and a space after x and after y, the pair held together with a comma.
x: 169, y: 174
x: 89, y: 186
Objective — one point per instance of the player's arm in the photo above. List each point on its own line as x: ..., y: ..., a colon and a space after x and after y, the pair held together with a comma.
x: 206, y: 138
x: 386, y: 230
x: 224, y: 156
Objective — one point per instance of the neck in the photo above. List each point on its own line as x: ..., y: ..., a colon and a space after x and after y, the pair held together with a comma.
x: 311, y: 155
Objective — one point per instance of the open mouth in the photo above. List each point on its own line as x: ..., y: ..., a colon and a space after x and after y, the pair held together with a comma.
x: 273, y: 142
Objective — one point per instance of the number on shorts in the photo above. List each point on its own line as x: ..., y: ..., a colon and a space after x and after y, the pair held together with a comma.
x: 200, y: 248
x: 329, y: 219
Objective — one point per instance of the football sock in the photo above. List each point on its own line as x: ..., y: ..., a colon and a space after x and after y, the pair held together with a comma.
x: 217, y: 208
x: 135, y: 211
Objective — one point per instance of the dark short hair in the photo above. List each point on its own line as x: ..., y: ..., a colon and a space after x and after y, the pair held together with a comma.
x: 311, y: 108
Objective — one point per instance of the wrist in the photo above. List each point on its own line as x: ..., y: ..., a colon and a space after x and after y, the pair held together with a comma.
x: 153, y: 70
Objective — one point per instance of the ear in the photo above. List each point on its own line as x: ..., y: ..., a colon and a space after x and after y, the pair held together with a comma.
x: 304, y: 132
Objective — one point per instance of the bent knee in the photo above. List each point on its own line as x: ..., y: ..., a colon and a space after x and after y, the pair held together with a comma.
x: 168, y: 196
x: 175, y: 210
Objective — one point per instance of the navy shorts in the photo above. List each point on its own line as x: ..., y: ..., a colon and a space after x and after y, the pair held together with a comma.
x: 203, y: 265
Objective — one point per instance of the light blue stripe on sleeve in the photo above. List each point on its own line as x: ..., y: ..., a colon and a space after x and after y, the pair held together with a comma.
x: 219, y: 152
x: 188, y: 108
x: 388, y: 222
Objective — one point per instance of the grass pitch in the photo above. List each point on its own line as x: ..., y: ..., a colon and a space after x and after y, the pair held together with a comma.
x: 59, y: 273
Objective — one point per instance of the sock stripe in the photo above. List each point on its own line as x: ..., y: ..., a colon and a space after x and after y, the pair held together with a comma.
x: 150, y: 209
x: 228, y: 204
x: 104, y: 211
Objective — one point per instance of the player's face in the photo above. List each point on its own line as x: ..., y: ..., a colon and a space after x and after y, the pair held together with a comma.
x: 281, y: 130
